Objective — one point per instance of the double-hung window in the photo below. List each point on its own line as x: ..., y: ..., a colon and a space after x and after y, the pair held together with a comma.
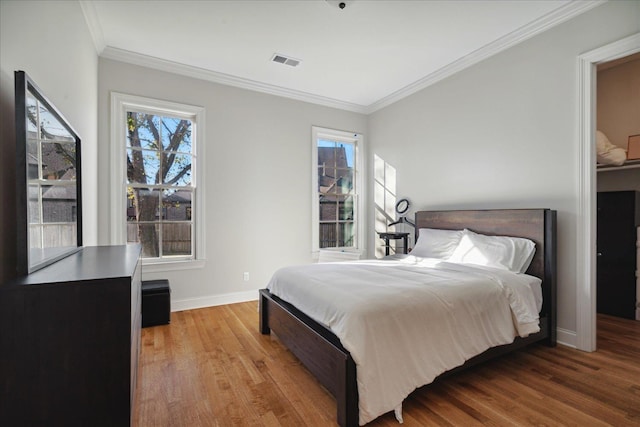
x: 157, y: 148
x: 337, y: 190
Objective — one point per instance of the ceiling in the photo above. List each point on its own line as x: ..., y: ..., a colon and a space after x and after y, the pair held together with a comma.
x: 360, y: 58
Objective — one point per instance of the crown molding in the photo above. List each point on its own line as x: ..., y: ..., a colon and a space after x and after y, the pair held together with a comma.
x: 104, y: 51
x: 558, y: 16
x: 538, y: 26
x: 225, y: 79
x: 91, y: 18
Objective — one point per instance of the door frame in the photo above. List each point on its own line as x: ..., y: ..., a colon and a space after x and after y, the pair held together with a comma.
x: 586, y: 209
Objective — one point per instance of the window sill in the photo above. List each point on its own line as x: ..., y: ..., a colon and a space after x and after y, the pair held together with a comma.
x: 164, y: 266
x: 337, y: 254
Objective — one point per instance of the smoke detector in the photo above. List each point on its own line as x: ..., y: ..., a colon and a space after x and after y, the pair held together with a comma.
x: 286, y: 60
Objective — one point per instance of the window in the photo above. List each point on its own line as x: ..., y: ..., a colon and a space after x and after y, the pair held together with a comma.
x: 337, y: 189
x: 156, y: 151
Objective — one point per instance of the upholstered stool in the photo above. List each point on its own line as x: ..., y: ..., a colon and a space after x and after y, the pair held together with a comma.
x: 156, y: 302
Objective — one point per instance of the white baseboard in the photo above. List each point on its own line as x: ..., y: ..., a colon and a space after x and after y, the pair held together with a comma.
x: 210, y: 301
x: 567, y: 338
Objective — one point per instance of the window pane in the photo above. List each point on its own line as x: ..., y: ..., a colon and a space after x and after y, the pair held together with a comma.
x: 51, y: 128
x: 326, y: 157
x: 145, y: 204
x: 345, y: 209
x: 344, y: 181
x: 32, y: 116
x: 340, y: 156
x: 328, y: 208
x: 58, y: 235
x: 35, y: 236
x: 326, y: 180
x: 335, y: 167
x: 147, y: 236
x: 59, y: 203
x: 349, y: 151
x: 176, y: 239
x: 346, y: 234
x: 336, y: 154
x: 132, y: 233
x: 32, y: 159
x: 58, y: 161
x: 178, y: 168
x: 34, y: 204
x: 143, y: 166
x: 176, y: 134
x: 328, y: 235
x: 143, y: 130
x: 176, y: 205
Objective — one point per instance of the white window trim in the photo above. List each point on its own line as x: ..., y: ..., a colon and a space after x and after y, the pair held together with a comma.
x: 120, y: 103
x: 360, y: 215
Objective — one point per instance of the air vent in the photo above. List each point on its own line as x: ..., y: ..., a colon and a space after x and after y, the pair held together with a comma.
x: 281, y: 59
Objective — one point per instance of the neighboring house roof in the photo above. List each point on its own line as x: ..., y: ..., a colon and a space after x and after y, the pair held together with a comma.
x: 55, y: 162
x: 60, y: 192
x: 180, y: 196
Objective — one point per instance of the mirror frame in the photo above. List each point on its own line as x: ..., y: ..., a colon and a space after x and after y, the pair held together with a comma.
x: 27, y: 261
x: 402, y: 206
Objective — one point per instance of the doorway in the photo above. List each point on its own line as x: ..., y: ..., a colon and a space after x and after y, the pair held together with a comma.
x: 586, y: 236
x: 617, y: 186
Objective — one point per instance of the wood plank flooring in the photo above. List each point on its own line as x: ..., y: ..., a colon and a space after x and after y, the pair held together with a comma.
x: 211, y: 367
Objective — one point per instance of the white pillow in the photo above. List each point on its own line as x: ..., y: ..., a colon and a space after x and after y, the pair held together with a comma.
x: 436, y: 243
x: 607, y: 152
x: 507, y: 253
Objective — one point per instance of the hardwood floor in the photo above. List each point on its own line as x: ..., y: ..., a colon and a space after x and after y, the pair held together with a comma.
x: 211, y: 367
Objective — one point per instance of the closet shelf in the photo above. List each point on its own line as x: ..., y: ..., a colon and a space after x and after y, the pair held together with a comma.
x: 629, y: 164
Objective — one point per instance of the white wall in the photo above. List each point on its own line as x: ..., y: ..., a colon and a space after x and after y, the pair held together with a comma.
x: 50, y: 41
x: 258, y: 178
x: 618, y: 102
x: 503, y: 133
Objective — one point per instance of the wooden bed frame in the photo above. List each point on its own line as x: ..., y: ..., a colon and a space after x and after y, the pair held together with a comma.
x: 323, y: 354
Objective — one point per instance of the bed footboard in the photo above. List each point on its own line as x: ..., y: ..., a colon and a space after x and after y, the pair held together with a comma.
x: 318, y: 349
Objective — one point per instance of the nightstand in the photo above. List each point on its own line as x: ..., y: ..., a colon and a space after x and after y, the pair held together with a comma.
x: 394, y: 236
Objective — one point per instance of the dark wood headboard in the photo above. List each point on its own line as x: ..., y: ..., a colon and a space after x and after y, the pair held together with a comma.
x: 538, y: 225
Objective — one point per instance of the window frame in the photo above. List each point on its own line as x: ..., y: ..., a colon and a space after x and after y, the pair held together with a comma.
x: 120, y: 104
x: 360, y: 193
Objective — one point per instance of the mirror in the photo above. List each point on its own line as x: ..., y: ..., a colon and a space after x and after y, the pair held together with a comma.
x: 49, y: 203
x: 402, y: 206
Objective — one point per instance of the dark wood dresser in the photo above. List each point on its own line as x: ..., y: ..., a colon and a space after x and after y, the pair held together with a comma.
x: 70, y: 340
x: 618, y: 218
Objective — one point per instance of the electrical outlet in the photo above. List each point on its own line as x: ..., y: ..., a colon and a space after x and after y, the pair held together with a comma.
x: 245, y: 276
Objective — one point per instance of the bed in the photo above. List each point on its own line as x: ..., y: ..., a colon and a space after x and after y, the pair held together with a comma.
x: 323, y: 353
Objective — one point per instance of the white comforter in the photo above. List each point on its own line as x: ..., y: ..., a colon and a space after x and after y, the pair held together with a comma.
x: 405, y: 321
